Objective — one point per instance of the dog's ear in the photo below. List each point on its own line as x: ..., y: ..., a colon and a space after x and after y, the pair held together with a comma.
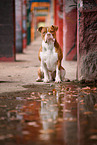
x: 39, y: 29
x: 55, y: 27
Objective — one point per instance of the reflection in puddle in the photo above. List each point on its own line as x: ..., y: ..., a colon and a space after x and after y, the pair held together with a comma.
x: 65, y: 114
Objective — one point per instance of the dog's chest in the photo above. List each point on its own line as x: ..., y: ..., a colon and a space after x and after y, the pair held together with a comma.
x: 49, y: 56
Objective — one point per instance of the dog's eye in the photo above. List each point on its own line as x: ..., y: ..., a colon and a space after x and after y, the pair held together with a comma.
x: 44, y: 33
x: 52, y: 31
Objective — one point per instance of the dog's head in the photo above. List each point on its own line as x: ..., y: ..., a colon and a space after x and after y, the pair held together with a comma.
x: 48, y: 33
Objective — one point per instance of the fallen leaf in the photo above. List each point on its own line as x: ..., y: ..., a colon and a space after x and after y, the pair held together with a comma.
x: 94, y: 89
x: 67, y: 89
x: 60, y: 119
x: 29, y: 98
x: 9, y: 136
x: 54, y: 92
x: 62, y: 104
x: 67, y: 111
x: 70, y: 119
x: 95, y: 105
x: 25, y: 132
x: 33, y: 124
x: 54, y: 105
x: 3, y: 106
x: 68, y: 101
x: 87, y: 113
x: 93, y: 137
x: 47, y: 131
x: 93, y: 130
x: 81, y: 101
x: 49, y: 93
x: 2, y: 137
x: 49, y: 120
x: 45, y: 102
x: 2, y: 118
x: 86, y: 88
x: 81, y: 96
x: 33, y: 93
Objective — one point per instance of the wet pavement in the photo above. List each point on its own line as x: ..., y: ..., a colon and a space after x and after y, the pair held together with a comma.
x: 49, y: 114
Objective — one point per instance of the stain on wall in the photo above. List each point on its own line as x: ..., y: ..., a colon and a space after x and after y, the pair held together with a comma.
x: 88, y: 41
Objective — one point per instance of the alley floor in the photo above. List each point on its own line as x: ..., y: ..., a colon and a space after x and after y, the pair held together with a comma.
x: 37, y: 113
x: 13, y: 75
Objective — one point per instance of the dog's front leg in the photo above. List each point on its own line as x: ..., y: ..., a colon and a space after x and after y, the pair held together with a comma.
x: 58, y: 75
x: 46, y: 75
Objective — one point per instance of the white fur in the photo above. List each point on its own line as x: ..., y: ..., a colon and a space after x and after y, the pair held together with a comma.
x: 49, y: 60
x: 50, y: 36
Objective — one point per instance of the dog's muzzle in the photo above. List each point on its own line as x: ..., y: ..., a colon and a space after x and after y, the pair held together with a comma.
x: 49, y: 38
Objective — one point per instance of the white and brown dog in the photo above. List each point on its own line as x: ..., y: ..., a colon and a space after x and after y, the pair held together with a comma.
x: 50, y: 55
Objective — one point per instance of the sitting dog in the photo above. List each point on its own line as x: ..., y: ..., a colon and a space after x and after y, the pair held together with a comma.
x: 50, y: 55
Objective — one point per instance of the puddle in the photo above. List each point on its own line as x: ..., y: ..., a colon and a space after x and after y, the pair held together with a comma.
x: 59, y: 114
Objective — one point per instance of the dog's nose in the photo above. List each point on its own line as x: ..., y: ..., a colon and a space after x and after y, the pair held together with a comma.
x: 48, y: 34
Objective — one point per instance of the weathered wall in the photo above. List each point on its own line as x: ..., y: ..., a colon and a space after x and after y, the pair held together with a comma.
x: 7, y: 33
x: 87, y: 48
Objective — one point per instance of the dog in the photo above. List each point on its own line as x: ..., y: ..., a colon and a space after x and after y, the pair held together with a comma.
x: 50, y: 55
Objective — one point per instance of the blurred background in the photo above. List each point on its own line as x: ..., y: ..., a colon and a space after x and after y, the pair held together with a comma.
x: 19, y: 20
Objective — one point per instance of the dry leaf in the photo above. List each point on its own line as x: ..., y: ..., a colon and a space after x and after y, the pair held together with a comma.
x: 86, y: 88
x: 66, y: 110
x: 81, y: 101
x: 60, y: 119
x: 49, y: 120
x: 47, y: 131
x: 54, y: 92
x: 62, y: 104
x: 9, y: 136
x: 33, y: 93
x: 87, y: 113
x: 49, y: 93
x: 94, y: 89
x: 93, y: 130
x: 33, y: 124
x: 29, y: 98
x: 3, y: 106
x: 2, y: 137
x: 25, y: 132
x: 70, y: 119
x: 93, y: 137
x: 68, y: 101
x: 95, y: 105
x: 81, y: 96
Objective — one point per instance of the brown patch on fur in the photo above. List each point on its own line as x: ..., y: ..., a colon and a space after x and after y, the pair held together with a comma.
x: 40, y: 74
x: 40, y: 50
x: 60, y: 53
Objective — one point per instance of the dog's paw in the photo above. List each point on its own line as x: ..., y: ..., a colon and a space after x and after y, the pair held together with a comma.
x: 46, y: 80
x: 57, y: 80
x: 39, y: 80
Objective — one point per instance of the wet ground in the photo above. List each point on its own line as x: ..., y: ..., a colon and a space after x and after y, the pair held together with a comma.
x: 50, y: 114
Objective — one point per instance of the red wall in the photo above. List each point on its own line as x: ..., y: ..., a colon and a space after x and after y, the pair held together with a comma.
x: 71, y: 35
x: 58, y: 20
x: 65, y: 17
